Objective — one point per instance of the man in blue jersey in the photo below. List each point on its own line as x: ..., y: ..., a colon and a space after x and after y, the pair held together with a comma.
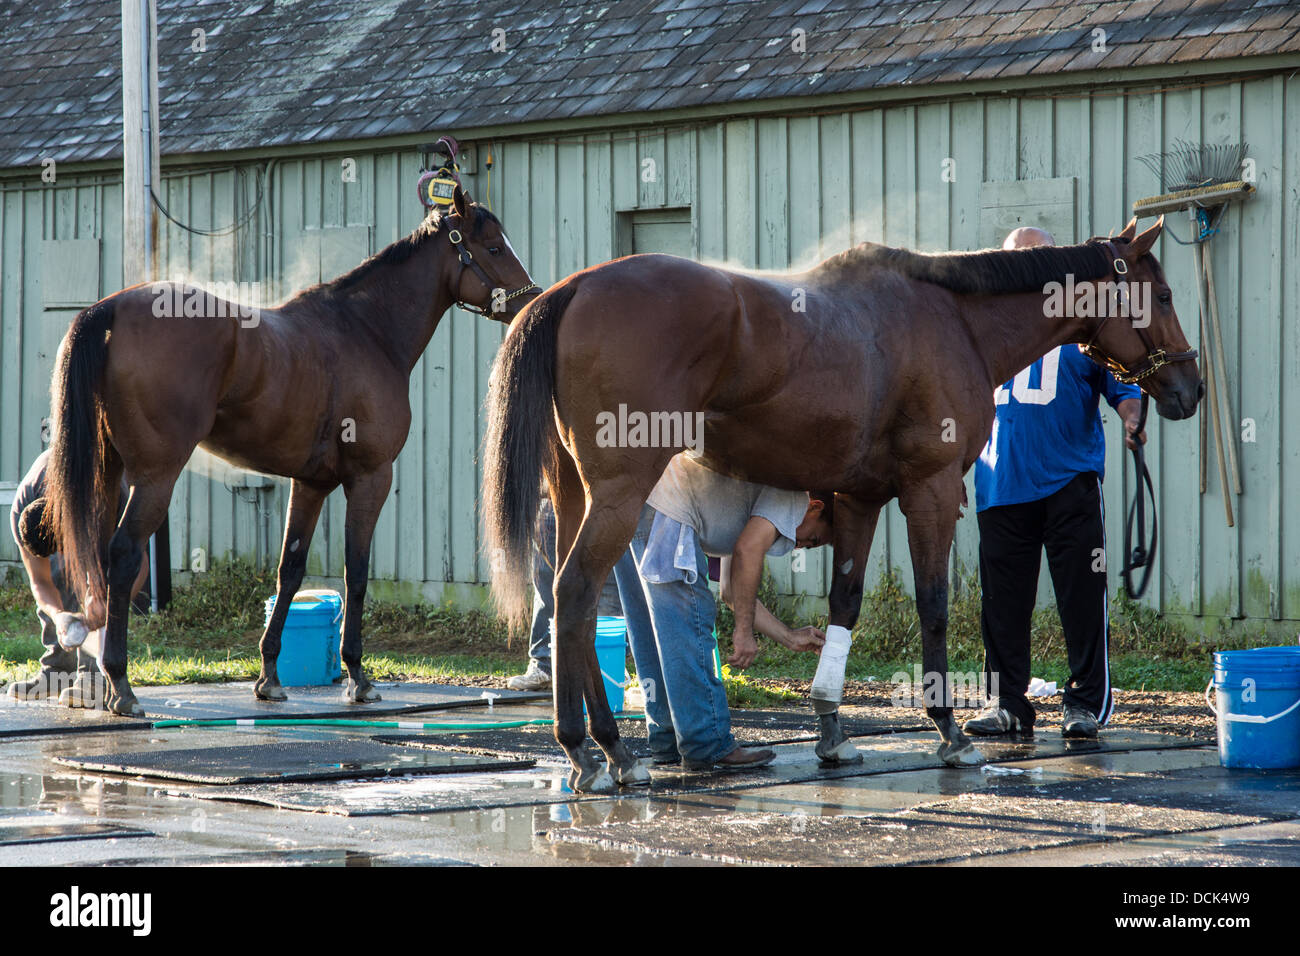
x: 1038, y: 485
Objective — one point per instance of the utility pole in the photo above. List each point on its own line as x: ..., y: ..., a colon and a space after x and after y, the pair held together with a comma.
x: 140, y: 165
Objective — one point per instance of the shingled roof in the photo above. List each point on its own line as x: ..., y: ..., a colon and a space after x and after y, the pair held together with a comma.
x: 311, y: 71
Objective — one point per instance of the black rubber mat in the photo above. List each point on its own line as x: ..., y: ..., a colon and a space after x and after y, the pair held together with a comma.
x: 795, y: 763
x: 287, y: 762
x: 47, y: 718
x: 794, y: 726
x: 236, y: 701
x: 750, y: 727
x: 19, y: 834
x: 534, y: 742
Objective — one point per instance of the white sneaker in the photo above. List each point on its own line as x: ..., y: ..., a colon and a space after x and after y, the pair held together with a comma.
x: 532, y: 679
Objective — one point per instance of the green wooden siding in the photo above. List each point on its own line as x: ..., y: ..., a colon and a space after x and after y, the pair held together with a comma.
x: 768, y: 192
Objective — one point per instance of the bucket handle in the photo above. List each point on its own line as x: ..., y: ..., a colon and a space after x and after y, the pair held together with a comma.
x: 306, y: 595
x: 1245, y: 718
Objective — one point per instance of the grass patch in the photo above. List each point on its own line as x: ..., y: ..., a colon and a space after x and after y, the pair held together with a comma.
x: 743, y: 692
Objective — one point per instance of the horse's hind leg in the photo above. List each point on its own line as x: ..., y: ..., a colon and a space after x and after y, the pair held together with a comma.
x: 365, y: 497
x: 931, y: 510
x: 612, y: 534
x: 855, y: 524
x: 304, y: 509
x: 144, y: 513
x: 590, y: 540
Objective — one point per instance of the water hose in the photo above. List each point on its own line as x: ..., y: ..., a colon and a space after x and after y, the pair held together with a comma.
x: 377, y: 724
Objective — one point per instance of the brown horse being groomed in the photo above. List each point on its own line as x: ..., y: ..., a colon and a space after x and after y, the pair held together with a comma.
x: 316, y: 389
x: 872, y: 374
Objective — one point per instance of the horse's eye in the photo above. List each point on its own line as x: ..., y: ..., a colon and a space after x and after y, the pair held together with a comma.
x: 1164, y: 298
x: 494, y: 250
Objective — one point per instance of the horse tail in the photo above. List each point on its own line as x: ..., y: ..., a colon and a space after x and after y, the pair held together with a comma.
x: 81, y: 453
x: 520, y: 441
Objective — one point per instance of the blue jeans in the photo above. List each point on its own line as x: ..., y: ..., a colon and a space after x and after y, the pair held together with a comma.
x: 673, y: 644
x: 539, y: 640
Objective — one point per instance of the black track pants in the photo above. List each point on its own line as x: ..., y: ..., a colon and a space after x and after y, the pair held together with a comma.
x: 1069, y: 525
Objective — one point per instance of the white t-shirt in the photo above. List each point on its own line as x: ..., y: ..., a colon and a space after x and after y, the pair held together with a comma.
x: 718, y: 507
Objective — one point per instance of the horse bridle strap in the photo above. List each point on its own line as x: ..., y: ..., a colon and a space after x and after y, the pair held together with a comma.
x: 1155, y: 358
x: 467, y: 260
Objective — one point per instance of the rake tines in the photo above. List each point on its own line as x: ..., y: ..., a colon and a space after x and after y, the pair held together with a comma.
x: 1189, y: 165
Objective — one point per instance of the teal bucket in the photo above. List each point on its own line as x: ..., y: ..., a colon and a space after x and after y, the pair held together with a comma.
x: 611, y: 652
x: 309, y: 643
x: 1257, y: 705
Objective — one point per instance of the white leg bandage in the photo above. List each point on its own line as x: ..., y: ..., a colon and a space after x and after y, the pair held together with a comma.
x: 828, y: 682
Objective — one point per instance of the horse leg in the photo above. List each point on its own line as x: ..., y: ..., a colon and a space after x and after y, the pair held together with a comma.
x: 855, y: 525
x: 931, y: 509
x: 611, y: 535
x: 592, y: 539
x: 145, y: 511
x: 304, y: 509
x: 365, y: 497
x: 568, y: 671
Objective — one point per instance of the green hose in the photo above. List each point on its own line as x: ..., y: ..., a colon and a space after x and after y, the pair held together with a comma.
x: 379, y: 724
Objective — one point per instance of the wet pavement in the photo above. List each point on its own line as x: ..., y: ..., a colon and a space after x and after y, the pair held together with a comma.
x: 445, y: 797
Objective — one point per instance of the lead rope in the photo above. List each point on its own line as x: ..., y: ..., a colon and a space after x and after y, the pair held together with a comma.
x: 1139, y: 555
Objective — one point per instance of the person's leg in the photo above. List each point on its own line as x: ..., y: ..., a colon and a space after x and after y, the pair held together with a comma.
x: 58, y: 664
x: 683, y: 616
x: 1009, y: 552
x: 538, y: 674
x: 1075, y: 536
x: 632, y: 591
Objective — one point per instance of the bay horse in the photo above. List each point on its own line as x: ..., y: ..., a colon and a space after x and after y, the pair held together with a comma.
x: 872, y: 374
x: 316, y: 389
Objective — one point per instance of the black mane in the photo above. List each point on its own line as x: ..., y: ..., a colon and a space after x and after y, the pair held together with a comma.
x: 988, y: 272
x: 403, y: 249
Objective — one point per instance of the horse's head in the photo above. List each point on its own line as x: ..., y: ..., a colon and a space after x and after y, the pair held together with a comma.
x: 1137, y: 334
x: 489, y: 278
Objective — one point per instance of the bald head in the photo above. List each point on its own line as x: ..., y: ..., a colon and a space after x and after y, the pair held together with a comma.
x: 1027, y: 236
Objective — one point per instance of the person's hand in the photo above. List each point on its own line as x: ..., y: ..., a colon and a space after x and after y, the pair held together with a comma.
x: 1132, y: 437
x: 744, y: 648
x: 806, y: 639
x: 71, y: 629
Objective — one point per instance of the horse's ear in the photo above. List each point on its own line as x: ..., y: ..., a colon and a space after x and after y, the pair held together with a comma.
x: 1142, y: 244
x: 1129, y: 231
x: 461, y: 202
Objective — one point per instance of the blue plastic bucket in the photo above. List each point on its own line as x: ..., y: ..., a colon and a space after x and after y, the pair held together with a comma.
x: 1257, y: 704
x: 309, y: 643
x: 611, y: 652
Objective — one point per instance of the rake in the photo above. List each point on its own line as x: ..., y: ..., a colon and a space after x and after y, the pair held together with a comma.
x: 1205, y: 179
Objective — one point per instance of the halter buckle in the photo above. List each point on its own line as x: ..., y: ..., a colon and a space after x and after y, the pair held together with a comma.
x: 455, y: 237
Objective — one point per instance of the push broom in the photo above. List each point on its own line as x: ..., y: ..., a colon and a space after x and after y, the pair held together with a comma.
x: 1205, y: 180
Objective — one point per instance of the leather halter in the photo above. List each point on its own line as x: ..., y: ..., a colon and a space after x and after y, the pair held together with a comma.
x: 1155, y: 358
x: 467, y: 259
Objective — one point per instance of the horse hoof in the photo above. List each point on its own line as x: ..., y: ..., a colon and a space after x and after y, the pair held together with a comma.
x: 593, y: 781
x: 267, y: 690
x: 841, y: 753
x: 636, y: 774
x: 125, y: 707
x: 962, y: 756
x: 362, y: 694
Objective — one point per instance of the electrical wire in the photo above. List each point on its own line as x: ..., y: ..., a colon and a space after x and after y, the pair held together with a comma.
x: 228, y: 230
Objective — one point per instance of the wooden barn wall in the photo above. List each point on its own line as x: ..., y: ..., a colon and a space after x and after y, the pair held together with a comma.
x: 764, y: 193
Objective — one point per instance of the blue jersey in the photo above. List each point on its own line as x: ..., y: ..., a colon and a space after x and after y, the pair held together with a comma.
x: 1047, y: 429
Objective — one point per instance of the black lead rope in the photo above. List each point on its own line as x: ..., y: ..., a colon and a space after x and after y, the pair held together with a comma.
x: 1139, y: 555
